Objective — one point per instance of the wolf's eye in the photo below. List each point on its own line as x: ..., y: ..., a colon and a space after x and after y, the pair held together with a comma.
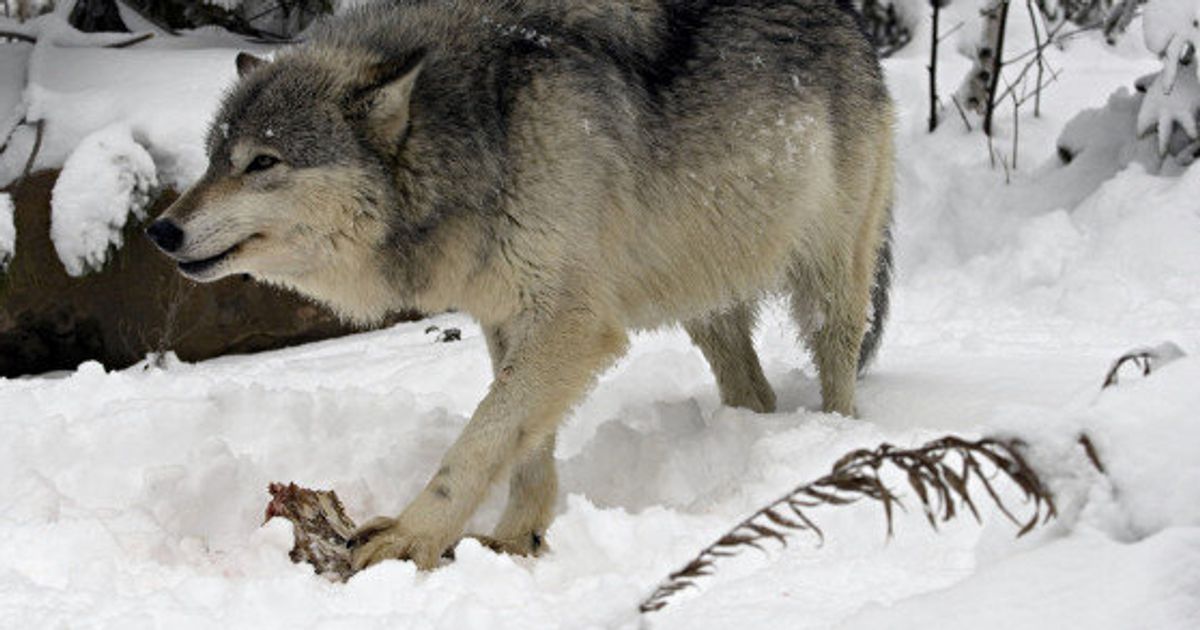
x: 261, y: 163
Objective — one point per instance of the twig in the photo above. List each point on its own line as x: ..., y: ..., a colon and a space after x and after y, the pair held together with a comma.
x: 40, y: 126
x: 170, y: 334
x: 940, y: 487
x: 1052, y: 37
x: 1016, y: 128
x: 1093, y: 456
x: 132, y: 41
x: 991, y: 152
x: 961, y: 113
x: 1054, y: 74
x: 271, y: 9
x: 22, y: 37
x: 954, y: 29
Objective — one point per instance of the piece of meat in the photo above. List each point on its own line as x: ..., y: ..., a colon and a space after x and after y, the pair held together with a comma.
x: 321, y: 528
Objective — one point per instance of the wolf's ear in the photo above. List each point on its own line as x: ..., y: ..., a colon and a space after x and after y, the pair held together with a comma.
x: 246, y: 63
x: 388, y: 108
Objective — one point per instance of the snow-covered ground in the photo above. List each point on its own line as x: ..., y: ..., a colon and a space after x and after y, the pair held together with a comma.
x: 135, y: 498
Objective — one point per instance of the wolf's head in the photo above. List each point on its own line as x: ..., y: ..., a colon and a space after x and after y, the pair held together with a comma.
x: 299, y: 185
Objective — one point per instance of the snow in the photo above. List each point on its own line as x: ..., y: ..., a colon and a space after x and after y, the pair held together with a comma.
x: 13, y: 61
x: 8, y: 231
x: 108, y: 178
x: 135, y: 118
x: 1171, y: 29
x: 164, y: 89
x: 1170, y: 23
x: 135, y: 498
x: 1169, y: 104
x: 138, y: 495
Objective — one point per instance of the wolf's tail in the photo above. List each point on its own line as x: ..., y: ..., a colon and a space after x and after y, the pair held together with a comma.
x: 880, y: 301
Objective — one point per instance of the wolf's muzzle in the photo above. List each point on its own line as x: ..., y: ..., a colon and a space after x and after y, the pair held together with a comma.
x: 166, y: 235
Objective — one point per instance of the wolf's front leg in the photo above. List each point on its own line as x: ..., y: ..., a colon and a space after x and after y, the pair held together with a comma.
x: 532, y: 490
x: 551, y: 362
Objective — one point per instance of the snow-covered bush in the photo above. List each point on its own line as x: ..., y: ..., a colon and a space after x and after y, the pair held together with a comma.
x: 1172, y: 31
x: 1011, y: 65
x: 107, y: 178
x: 1157, y: 126
x: 69, y: 101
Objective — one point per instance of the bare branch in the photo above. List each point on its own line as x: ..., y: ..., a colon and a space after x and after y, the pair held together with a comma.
x: 961, y: 113
x: 25, y: 37
x: 132, y: 41
x: 40, y: 127
x: 954, y: 29
x: 22, y: 37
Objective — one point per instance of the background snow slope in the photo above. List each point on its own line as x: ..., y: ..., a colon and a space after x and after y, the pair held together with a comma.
x: 134, y: 499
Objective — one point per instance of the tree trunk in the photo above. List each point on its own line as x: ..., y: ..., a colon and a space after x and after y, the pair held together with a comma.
x: 978, y: 91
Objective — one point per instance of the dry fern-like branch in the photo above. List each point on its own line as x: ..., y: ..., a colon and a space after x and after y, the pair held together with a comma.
x: 940, y: 473
x: 1148, y: 359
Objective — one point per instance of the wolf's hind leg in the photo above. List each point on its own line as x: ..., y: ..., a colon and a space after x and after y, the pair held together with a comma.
x: 725, y: 340
x: 829, y: 304
x: 532, y: 491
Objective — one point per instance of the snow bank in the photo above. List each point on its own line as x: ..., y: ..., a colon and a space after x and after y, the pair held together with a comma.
x: 1131, y: 535
x: 108, y: 178
x: 141, y: 492
x: 1083, y: 581
x: 1153, y: 465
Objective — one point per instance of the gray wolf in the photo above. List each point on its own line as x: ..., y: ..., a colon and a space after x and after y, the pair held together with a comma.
x: 565, y: 171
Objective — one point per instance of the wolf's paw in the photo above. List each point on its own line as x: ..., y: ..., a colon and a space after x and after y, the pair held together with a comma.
x: 532, y: 544
x: 390, y: 539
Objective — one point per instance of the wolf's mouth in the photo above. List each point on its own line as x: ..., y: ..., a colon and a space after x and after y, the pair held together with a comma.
x: 198, y: 267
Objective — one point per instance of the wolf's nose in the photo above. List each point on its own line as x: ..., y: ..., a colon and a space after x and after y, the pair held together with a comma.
x: 165, y: 234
